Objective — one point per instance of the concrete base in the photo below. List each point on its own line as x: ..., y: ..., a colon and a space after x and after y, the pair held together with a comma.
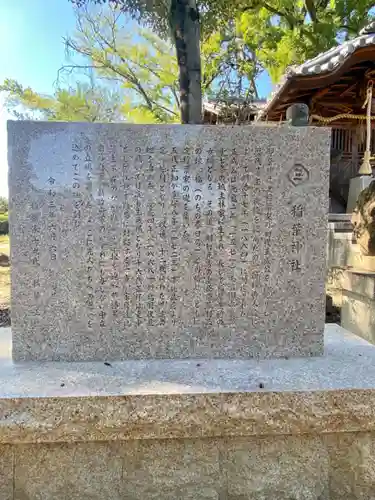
x: 301, y: 429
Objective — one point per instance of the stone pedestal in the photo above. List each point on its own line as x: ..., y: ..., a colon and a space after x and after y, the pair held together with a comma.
x: 301, y: 428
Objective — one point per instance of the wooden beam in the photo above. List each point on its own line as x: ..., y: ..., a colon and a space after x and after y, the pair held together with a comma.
x: 348, y: 89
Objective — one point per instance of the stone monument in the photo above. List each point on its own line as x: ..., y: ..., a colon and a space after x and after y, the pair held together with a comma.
x: 136, y: 242
x: 185, y: 242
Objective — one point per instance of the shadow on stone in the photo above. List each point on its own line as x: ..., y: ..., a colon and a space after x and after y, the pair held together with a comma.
x: 333, y: 314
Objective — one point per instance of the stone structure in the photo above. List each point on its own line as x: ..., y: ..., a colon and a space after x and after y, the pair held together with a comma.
x: 134, y: 242
x: 169, y: 429
x: 297, y: 115
x: 86, y: 241
x: 357, y: 184
x: 363, y: 220
x: 358, y: 302
x: 351, y: 271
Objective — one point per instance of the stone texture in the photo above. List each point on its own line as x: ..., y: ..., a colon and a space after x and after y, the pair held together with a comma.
x: 363, y: 220
x: 359, y: 282
x: 6, y: 472
x: 147, y: 470
x: 70, y: 402
x: 358, y: 314
x: 172, y: 469
x: 297, y: 115
x: 352, y: 466
x: 134, y: 242
x: 282, y: 468
x: 340, y: 244
x: 343, y: 252
x: 88, y: 471
x: 354, y: 291
x: 336, y: 466
x: 191, y: 429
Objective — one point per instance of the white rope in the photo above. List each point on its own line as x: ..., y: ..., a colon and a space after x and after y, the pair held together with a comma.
x: 365, y: 168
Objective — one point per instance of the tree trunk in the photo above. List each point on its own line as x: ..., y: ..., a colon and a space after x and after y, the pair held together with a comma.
x: 186, y: 32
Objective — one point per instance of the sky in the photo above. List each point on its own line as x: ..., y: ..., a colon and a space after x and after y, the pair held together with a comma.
x: 32, y: 51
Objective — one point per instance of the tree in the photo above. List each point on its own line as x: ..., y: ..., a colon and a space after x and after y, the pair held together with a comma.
x: 140, y: 63
x: 142, y: 70
x: 230, y: 66
x: 278, y: 32
x: 146, y: 67
x: 138, y: 74
x: 288, y: 32
x: 179, y: 18
x: 3, y: 205
x: 83, y: 103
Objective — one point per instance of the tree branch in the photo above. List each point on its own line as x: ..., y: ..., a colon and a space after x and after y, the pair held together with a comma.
x: 157, y: 105
x: 112, y: 47
x: 97, y: 40
x: 254, y: 85
x: 311, y: 10
x: 289, y: 19
x: 175, y: 95
x: 349, y: 28
x: 207, y: 81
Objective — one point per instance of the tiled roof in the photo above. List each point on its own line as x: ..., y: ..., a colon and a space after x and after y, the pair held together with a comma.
x: 333, y: 58
x: 323, y: 63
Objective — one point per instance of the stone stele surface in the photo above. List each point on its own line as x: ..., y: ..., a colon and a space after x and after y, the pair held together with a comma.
x: 191, y: 429
x: 136, y: 242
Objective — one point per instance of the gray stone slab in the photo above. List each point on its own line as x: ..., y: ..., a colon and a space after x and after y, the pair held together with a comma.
x: 53, y: 402
x: 359, y: 282
x: 131, y: 242
x: 358, y: 315
x: 348, y: 362
x: 340, y: 218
